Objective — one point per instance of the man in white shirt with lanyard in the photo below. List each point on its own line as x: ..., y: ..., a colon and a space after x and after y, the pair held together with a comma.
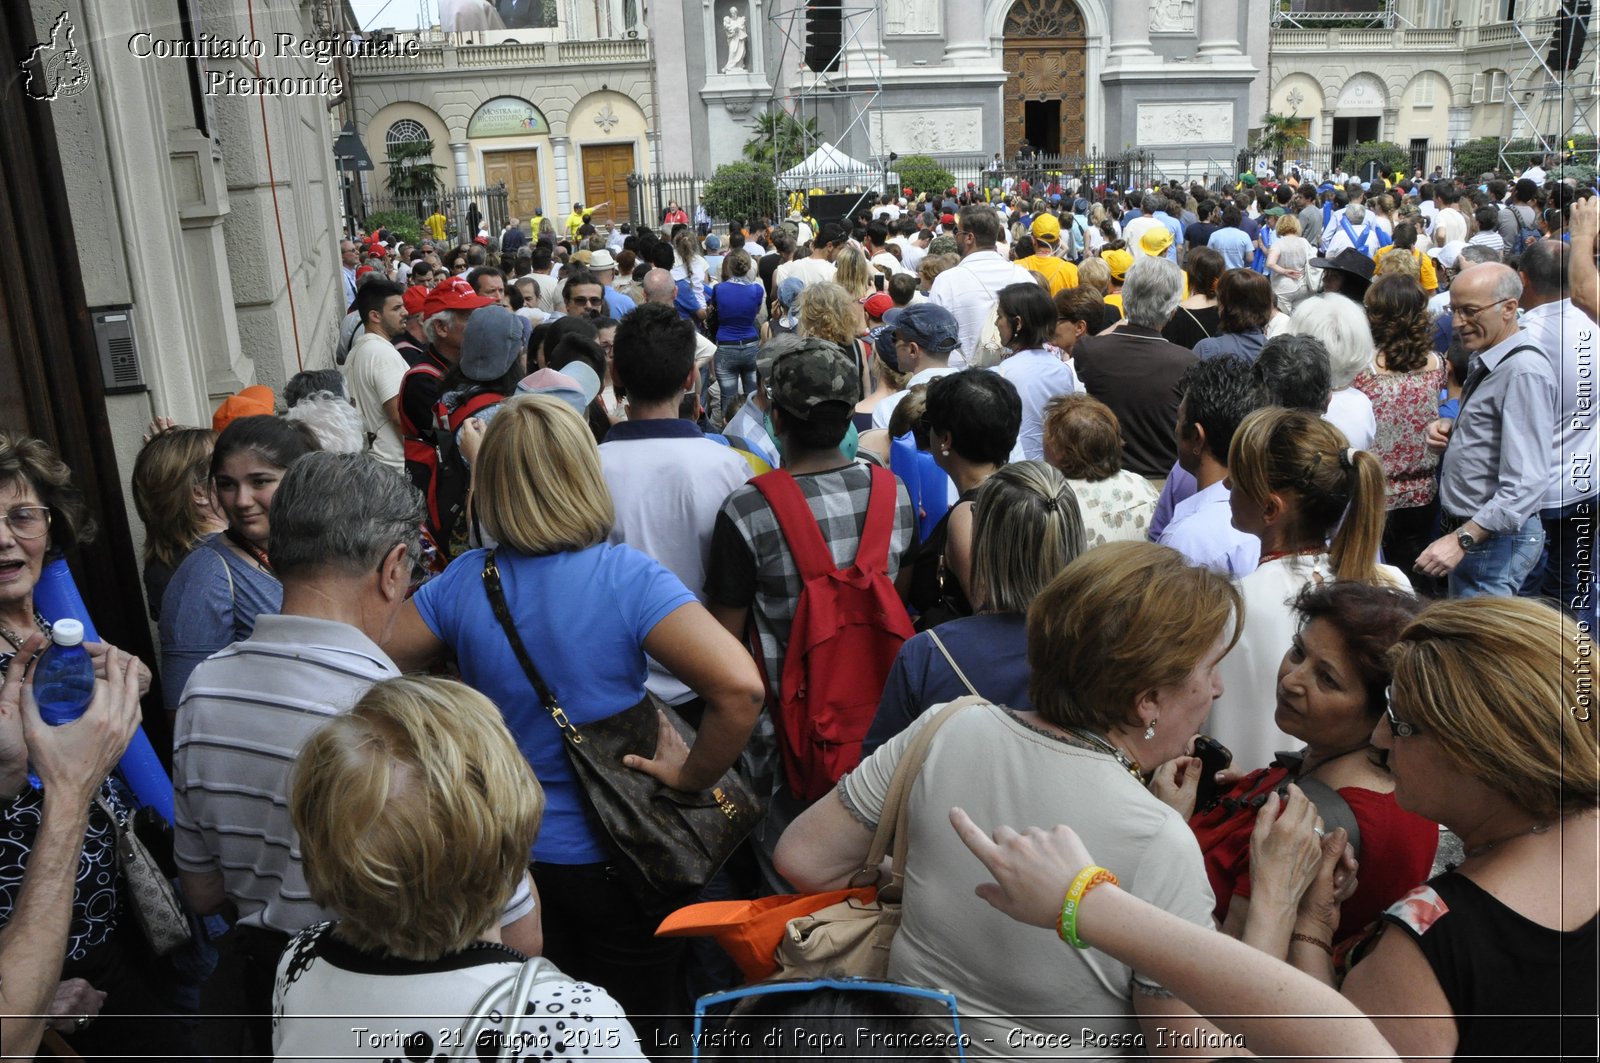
x: 970, y: 289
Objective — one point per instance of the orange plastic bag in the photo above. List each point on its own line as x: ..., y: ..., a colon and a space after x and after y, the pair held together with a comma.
x: 749, y: 931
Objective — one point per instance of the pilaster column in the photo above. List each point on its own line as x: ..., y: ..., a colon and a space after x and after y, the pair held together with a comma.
x: 558, y: 154
x: 863, y: 32
x: 1219, y: 28
x: 1130, y: 28
x: 756, y: 16
x: 964, y: 35
x: 458, y: 149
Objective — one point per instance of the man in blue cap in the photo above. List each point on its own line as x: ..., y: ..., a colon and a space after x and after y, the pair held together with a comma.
x: 924, y: 336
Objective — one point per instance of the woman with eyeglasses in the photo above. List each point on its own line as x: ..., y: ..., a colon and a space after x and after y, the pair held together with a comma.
x: 1329, y: 693
x: 41, y: 512
x: 1490, y: 729
x: 111, y: 990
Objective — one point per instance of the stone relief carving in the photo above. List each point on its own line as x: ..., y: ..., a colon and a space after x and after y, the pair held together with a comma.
x: 1173, y: 16
x: 911, y: 16
x: 1184, y: 123
x: 606, y: 118
x: 917, y: 132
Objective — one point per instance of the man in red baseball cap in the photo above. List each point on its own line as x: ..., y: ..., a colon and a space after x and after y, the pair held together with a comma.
x: 445, y: 310
x: 412, y: 343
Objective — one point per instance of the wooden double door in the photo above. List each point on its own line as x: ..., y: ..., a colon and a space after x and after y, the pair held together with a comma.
x: 1045, y: 95
x: 605, y: 180
x: 519, y: 172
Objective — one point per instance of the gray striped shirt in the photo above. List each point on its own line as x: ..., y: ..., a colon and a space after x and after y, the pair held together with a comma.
x: 245, y: 714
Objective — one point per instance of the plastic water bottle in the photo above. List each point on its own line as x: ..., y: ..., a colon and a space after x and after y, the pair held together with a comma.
x: 63, y: 680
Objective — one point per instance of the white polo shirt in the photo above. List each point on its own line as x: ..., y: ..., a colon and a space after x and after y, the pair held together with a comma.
x: 970, y: 289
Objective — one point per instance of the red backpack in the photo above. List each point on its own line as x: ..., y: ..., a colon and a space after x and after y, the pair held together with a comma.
x: 438, y: 470
x: 849, y: 625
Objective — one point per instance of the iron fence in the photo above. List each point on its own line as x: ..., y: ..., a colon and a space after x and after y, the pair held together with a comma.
x: 1322, y: 162
x: 457, y: 204
x: 651, y: 195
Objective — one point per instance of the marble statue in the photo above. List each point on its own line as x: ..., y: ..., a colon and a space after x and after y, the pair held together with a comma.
x: 733, y: 24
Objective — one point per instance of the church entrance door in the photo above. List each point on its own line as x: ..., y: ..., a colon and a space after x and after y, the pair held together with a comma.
x: 1045, y: 48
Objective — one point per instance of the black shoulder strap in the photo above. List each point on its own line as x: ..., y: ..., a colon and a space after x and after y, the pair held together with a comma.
x: 1335, y: 810
x: 502, y: 613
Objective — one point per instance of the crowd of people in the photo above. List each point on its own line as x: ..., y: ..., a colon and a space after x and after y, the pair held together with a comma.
x: 1300, y: 472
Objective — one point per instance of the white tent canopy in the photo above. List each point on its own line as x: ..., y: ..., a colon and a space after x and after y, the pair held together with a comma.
x: 828, y: 165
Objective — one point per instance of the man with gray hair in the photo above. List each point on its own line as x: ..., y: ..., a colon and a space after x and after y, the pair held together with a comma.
x: 1353, y: 229
x: 344, y: 544
x: 971, y: 288
x: 1133, y: 370
x: 444, y: 323
x: 1496, y: 465
x: 1566, y: 336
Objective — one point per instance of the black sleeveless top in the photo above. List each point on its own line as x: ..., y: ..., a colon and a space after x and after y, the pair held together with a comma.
x: 1519, y: 990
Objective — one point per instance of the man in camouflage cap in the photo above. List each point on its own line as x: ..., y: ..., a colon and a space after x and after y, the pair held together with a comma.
x: 813, y: 387
x: 810, y: 374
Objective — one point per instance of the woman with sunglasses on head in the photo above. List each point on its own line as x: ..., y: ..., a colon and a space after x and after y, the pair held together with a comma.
x: 1490, y: 729
x: 214, y: 597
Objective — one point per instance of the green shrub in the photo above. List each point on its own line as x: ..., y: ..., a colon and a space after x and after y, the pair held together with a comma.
x: 740, y: 190
x: 1391, y: 157
x: 1583, y: 173
x: 401, y: 226
x: 922, y: 174
x: 1477, y: 156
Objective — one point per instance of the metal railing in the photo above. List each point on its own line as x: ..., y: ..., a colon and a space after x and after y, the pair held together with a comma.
x: 456, y: 203
x: 1034, y: 176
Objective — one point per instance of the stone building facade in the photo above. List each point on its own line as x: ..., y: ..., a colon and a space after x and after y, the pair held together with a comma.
x: 558, y: 114
x: 1448, y: 71
x: 1179, y: 78
x: 206, y: 218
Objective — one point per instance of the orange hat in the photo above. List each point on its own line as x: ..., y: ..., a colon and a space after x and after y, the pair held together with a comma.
x: 253, y: 401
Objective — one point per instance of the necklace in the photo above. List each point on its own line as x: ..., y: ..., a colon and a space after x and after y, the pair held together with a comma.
x: 17, y: 640
x: 1105, y: 746
x: 1479, y: 850
x: 258, y: 555
x: 1303, y: 552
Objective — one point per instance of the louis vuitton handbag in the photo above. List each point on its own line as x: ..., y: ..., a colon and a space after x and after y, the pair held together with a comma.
x: 674, y: 839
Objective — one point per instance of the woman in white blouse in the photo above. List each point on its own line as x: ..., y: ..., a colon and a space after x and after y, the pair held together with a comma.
x: 1317, y: 505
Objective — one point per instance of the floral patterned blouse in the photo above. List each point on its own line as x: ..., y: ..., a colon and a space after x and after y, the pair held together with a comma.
x: 1116, y: 508
x: 1404, y: 403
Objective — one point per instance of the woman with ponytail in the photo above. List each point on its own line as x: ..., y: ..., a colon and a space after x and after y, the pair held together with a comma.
x: 1318, y: 508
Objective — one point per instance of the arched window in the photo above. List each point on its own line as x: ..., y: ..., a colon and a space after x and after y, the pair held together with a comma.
x: 405, y: 131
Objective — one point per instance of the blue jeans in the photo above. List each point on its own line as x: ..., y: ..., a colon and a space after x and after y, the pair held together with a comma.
x: 1565, y: 571
x: 736, y: 369
x: 1499, y: 564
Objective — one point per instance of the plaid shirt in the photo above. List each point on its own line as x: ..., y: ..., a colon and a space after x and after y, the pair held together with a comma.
x: 751, y: 565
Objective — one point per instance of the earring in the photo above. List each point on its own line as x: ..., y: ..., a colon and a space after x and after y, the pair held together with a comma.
x: 1149, y: 732
x: 944, y: 452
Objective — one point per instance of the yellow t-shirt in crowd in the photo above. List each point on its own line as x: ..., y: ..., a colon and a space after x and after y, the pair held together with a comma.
x: 1060, y: 273
x: 435, y: 224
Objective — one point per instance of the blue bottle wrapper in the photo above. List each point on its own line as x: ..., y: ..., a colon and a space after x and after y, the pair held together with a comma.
x: 56, y: 596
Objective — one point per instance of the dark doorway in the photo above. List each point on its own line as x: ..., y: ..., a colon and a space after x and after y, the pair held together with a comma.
x: 1041, y: 123
x: 1351, y: 131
